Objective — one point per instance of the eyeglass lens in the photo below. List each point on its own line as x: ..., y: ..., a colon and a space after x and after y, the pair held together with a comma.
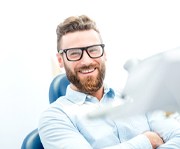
x: 76, y: 54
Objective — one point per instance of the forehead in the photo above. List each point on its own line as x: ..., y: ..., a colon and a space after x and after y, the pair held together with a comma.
x: 80, y: 39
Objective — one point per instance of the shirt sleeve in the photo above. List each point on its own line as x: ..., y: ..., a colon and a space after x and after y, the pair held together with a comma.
x: 138, y: 142
x: 167, y: 128
x: 60, y: 133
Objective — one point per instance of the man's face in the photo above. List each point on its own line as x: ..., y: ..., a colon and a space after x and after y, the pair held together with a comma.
x: 87, y: 74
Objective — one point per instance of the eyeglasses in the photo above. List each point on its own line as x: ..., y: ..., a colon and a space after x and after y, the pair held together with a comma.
x: 75, y: 54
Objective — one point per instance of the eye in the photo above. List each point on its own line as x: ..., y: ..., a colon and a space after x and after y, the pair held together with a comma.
x: 93, y: 50
x: 74, y: 52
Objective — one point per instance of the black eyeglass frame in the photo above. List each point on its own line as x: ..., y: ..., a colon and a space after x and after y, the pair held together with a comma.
x: 83, y: 49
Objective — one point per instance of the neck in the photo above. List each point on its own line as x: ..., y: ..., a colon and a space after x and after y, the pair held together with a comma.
x: 98, y: 94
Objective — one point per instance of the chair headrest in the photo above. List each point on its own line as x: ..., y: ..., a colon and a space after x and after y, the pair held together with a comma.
x: 58, y: 87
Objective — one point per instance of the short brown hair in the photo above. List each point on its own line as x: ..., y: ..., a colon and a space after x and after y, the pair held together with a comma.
x: 72, y: 24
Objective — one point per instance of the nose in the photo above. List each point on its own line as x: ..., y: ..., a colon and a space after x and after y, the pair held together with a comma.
x: 85, y: 58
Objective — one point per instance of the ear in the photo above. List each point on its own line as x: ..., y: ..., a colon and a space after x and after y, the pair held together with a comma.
x: 60, y: 60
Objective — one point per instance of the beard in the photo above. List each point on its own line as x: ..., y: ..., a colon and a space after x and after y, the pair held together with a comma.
x: 90, y: 84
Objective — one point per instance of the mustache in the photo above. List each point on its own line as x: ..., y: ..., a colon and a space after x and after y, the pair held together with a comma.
x: 87, y: 67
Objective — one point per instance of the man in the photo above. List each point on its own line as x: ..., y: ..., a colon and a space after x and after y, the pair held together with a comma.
x: 64, y: 125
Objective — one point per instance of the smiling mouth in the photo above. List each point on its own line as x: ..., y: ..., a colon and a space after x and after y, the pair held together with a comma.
x: 86, y: 71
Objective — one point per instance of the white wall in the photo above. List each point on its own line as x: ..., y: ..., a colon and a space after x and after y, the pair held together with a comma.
x: 28, y: 44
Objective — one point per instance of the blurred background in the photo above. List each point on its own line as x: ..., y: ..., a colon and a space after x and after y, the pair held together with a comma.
x: 130, y: 29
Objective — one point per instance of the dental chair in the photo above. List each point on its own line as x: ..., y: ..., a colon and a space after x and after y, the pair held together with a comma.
x: 57, y: 88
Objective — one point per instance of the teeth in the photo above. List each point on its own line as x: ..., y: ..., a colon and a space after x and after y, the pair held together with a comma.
x: 87, y: 70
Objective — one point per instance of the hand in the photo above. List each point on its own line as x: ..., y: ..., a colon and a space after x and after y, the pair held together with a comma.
x: 154, y: 138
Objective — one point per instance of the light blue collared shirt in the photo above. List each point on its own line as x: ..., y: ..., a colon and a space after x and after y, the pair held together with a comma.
x: 64, y: 125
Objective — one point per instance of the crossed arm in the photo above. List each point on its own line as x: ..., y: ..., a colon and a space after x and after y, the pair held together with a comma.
x: 58, y: 131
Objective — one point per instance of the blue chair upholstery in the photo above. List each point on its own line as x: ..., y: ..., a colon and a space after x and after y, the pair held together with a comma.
x: 57, y: 88
x: 32, y: 141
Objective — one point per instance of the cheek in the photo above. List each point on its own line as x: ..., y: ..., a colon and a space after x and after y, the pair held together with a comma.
x: 69, y: 66
x: 103, y: 59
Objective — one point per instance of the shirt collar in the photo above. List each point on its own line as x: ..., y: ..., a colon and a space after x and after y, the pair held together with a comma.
x: 79, y: 97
